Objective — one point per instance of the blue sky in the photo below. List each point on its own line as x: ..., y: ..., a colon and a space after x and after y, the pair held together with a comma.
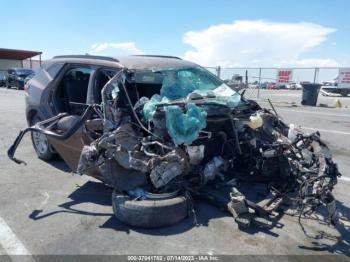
x: 162, y: 27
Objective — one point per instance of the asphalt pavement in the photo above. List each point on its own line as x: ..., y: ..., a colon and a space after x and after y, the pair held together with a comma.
x: 45, y: 209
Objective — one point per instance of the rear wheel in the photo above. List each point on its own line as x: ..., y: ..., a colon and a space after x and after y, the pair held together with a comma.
x: 41, y: 144
x: 18, y: 87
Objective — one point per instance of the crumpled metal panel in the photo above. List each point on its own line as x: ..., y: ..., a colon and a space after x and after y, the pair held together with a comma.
x: 164, y: 169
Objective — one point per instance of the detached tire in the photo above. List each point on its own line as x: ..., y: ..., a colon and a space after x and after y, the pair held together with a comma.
x: 149, y: 213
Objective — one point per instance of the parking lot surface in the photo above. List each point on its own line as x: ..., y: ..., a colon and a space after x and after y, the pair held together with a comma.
x: 48, y: 210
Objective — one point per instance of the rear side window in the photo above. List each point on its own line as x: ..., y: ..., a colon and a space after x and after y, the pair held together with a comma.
x: 72, y: 91
x: 46, y: 74
x: 54, y: 69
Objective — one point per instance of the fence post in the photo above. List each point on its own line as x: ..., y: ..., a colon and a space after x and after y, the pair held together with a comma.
x: 315, y: 74
x: 218, y: 71
x: 259, y: 83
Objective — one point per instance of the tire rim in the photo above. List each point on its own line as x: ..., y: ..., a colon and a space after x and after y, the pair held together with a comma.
x: 40, y: 142
x: 154, y: 196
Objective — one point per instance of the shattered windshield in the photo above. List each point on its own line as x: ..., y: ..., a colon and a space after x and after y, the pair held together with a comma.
x: 179, y: 83
x: 148, y: 89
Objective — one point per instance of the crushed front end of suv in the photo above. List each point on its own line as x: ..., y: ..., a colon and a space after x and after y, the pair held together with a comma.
x: 164, y: 136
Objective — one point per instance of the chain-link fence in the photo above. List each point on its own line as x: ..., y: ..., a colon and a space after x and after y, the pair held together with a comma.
x: 260, y: 77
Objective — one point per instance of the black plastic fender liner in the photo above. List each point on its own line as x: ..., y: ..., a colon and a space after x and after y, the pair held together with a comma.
x: 150, y: 213
x: 39, y: 127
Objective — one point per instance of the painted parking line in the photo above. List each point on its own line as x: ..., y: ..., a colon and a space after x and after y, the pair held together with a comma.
x: 10, y: 243
x: 326, y: 130
x: 285, y: 94
x: 344, y: 178
x: 313, y: 113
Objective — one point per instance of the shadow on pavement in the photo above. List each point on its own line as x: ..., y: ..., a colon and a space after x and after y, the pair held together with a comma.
x: 59, y: 164
x: 98, y: 193
x: 341, y: 243
x: 90, y: 192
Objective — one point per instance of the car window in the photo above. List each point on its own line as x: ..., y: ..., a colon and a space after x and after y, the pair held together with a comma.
x: 73, y: 89
x: 22, y: 71
x: 103, y: 76
x: 54, y: 69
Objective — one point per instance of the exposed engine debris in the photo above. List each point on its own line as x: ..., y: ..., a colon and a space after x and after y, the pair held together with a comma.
x: 196, y: 137
x: 202, y: 139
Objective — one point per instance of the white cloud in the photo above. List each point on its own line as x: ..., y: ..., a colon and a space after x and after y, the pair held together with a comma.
x: 257, y: 43
x: 124, y: 48
x: 317, y: 62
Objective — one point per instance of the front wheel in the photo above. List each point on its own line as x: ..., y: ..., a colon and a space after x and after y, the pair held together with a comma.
x: 149, y: 213
x: 41, y: 144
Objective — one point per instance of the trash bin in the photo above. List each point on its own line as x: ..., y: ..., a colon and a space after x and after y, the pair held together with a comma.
x: 310, y: 94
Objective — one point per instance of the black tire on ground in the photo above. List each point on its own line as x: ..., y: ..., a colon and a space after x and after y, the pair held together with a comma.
x: 49, y: 153
x: 18, y: 86
x: 149, y: 213
x: 8, y: 85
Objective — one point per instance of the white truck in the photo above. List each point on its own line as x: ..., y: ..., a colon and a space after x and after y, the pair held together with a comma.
x: 340, y: 85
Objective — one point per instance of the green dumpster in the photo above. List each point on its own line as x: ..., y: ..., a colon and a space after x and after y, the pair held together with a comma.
x: 310, y: 93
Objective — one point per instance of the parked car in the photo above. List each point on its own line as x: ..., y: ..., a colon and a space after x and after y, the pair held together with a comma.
x: 295, y: 86
x: 263, y: 85
x: 2, y: 81
x: 282, y: 86
x: 15, y: 77
x: 271, y: 86
x: 160, y: 130
x: 330, y: 88
x: 236, y: 82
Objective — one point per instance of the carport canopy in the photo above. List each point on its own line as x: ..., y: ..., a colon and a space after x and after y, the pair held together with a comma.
x: 17, y: 54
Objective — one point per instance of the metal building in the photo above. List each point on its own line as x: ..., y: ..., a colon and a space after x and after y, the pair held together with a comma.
x: 10, y: 58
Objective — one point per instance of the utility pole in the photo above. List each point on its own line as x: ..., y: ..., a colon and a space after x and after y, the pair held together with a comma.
x: 315, y: 74
x: 218, y: 71
x: 259, y: 83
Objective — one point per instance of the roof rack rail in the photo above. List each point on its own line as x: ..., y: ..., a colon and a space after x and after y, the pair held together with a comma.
x: 106, y: 58
x: 161, y: 56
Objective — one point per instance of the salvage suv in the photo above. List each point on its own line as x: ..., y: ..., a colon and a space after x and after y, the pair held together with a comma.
x: 163, y: 131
